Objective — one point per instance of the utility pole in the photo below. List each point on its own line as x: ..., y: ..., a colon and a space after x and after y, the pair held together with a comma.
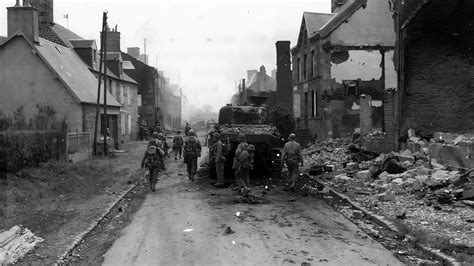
x: 106, y: 120
x: 97, y: 111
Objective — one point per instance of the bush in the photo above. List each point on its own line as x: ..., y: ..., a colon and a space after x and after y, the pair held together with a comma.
x: 282, y: 118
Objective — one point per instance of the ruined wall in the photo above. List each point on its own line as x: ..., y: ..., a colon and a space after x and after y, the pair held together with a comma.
x: 369, y: 26
x: 439, y: 69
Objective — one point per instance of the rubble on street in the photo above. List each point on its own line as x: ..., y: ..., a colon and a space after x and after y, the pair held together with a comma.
x: 408, y: 185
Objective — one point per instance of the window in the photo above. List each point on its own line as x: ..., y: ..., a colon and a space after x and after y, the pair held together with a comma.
x: 120, y: 94
x: 129, y: 124
x: 125, y: 95
x: 129, y: 96
x: 122, y: 124
x: 312, y: 66
x: 305, y: 62
x: 314, y: 103
x: 298, y: 70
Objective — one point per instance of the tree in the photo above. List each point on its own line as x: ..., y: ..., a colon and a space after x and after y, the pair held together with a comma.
x: 282, y: 118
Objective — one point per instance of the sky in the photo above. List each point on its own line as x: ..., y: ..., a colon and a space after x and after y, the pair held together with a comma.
x: 204, y: 46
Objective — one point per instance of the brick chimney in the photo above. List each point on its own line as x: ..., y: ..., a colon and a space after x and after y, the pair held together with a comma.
x: 23, y: 18
x: 113, y: 40
x: 134, y: 52
x: 45, y: 10
x: 284, y: 89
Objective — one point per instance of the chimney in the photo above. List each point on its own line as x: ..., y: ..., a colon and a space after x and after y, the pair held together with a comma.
x: 113, y: 40
x: 134, y: 52
x: 23, y: 18
x: 284, y: 93
x: 45, y: 11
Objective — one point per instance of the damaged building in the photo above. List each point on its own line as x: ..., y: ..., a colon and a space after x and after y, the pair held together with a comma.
x: 342, y: 67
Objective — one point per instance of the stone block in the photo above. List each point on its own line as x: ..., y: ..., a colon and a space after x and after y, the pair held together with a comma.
x: 387, y: 196
x: 341, y: 179
x: 363, y: 175
x: 404, y: 158
x: 352, y: 166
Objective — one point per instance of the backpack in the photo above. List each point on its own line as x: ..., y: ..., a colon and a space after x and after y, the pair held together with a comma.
x: 178, y: 141
x: 190, y: 149
x: 154, y: 154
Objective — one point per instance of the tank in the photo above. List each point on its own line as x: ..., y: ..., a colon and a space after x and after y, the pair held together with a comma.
x: 253, y: 122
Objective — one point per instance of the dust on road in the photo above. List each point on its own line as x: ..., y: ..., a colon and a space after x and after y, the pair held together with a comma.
x: 184, y: 223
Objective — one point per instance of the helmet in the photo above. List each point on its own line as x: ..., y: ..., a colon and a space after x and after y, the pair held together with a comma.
x: 155, y: 134
x: 292, y: 136
x: 191, y: 133
x: 241, y: 137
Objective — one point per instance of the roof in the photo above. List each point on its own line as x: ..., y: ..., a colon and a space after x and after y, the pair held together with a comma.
x: 408, y: 9
x: 113, y: 56
x: 80, y: 43
x: 344, y: 13
x: 2, y: 39
x: 70, y: 69
x: 315, y: 21
x: 64, y: 34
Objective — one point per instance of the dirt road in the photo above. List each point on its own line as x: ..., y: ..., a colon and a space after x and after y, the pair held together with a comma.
x: 183, y: 223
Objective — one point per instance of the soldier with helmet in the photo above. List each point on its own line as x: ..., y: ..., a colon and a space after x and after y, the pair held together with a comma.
x: 153, y: 160
x: 243, y: 161
x: 192, y: 150
x: 293, y: 158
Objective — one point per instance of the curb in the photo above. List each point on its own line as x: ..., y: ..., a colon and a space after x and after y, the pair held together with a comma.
x: 78, y: 239
x: 380, y: 220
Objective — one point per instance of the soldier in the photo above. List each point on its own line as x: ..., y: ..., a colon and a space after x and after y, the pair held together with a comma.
x: 156, y: 141
x: 187, y: 129
x: 243, y: 163
x: 162, y: 138
x: 192, y: 150
x: 178, y: 145
x: 292, y: 157
x: 152, y: 160
x: 220, y: 157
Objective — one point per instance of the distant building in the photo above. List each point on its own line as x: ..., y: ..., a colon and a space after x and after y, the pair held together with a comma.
x: 271, y: 91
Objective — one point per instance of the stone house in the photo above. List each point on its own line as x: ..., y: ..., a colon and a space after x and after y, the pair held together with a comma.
x: 123, y: 89
x: 342, y: 68
x: 42, y: 72
x: 120, y: 85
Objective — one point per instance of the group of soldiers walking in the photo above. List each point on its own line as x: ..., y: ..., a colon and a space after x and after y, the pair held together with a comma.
x: 157, y: 150
x: 189, y: 148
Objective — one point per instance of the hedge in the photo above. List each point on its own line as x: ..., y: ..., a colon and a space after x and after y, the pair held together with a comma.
x: 30, y: 148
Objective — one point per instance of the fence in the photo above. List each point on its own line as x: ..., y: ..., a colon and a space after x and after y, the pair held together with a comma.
x: 79, y: 144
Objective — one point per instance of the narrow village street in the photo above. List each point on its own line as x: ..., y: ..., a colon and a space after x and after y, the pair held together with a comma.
x: 184, y: 223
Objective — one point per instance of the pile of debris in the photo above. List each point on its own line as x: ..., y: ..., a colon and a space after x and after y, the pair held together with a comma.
x: 405, y: 178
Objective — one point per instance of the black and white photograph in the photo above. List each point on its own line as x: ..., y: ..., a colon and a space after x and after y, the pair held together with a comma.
x: 237, y: 132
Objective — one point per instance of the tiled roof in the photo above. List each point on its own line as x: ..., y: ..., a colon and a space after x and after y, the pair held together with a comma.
x: 315, y: 21
x: 65, y: 34
x: 72, y: 71
x: 342, y: 15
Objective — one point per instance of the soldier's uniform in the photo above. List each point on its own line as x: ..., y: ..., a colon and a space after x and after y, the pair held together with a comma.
x: 153, y: 160
x: 292, y: 157
x: 243, y: 163
x: 192, y: 150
